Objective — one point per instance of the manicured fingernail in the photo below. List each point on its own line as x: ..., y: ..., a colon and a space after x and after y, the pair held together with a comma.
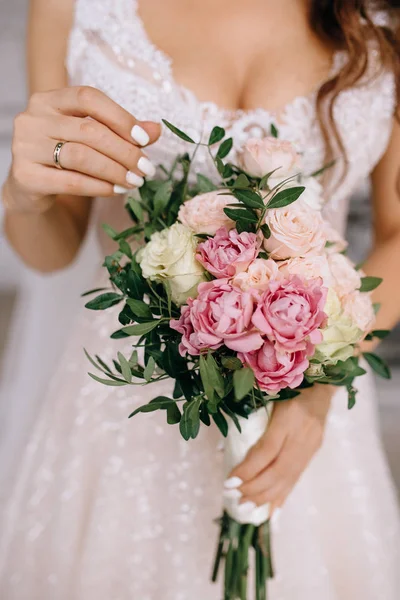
x: 134, y: 179
x: 140, y: 135
x: 247, y: 506
x: 118, y: 189
x: 233, y: 482
x: 234, y: 494
x: 276, y: 516
x: 146, y: 166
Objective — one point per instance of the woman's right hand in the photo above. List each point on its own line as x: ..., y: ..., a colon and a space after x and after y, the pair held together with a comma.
x: 103, y: 155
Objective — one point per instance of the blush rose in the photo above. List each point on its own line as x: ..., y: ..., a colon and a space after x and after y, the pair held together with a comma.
x: 262, y: 156
x: 229, y: 252
x: 205, y: 213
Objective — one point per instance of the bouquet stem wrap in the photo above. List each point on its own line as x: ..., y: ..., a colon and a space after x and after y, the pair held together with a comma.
x: 244, y: 531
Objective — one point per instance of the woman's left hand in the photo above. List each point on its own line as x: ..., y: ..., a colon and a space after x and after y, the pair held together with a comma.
x: 295, y: 433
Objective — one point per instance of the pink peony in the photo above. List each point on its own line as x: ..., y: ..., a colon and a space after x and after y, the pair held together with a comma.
x: 258, y: 275
x: 291, y: 312
x: 205, y: 213
x: 260, y: 157
x: 229, y: 252
x: 221, y: 314
x: 274, y: 368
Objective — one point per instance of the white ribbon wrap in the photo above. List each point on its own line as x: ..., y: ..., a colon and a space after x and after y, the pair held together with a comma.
x: 236, y: 447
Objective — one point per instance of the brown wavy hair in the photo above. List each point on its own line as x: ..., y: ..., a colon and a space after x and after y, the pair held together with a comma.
x: 347, y: 25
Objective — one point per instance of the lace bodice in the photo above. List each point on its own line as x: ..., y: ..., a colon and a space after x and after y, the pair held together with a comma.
x: 110, y: 49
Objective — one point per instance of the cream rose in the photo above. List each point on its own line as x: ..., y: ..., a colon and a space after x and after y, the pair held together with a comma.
x: 345, y: 277
x: 358, y: 306
x: 258, y: 275
x: 339, y: 335
x: 171, y: 255
x: 260, y: 157
x: 309, y: 267
x: 205, y: 213
x: 295, y: 231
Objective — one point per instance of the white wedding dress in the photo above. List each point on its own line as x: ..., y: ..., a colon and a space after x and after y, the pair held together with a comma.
x: 106, y: 508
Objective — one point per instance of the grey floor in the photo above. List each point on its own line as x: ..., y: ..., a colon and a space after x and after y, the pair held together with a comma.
x: 12, y: 100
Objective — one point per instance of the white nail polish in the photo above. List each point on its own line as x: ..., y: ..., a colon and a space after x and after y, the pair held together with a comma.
x: 247, y: 506
x: 134, y: 179
x: 233, y: 482
x: 234, y: 494
x: 276, y: 516
x: 146, y: 166
x: 140, y: 136
x: 118, y: 189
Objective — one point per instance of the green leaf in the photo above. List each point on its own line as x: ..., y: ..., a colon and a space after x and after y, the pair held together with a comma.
x: 378, y: 365
x: 243, y: 382
x: 241, y: 215
x: 274, y: 131
x: 215, y: 376
x: 140, y: 328
x: 95, y: 291
x: 266, y: 231
x: 104, y: 301
x: 221, y: 423
x: 162, y: 197
x: 93, y: 362
x: 178, y: 132
x: 285, y: 197
x: 159, y: 403
x: 225, y: 148
x: 368, y: 284
x: 149, y: 370
x: 323, y: 169
x: 109, y: 231
x: 242, y: 182
x: 125, y: 248
x: 173, y: 414
x: 204, y: 184
x: 136, y: 208
x: 208, y: 388
x: 265, y: 179
x: 263, y: 255
x: 220, y: 166
x: 190, y: 422
x: 232, y: 363
x: 125, y: 368
x: 217, y: 134
x: 249, y: 198
x: 139, y: 308
x: 380, y: 334
x: 109, y: 382
x: 352, y: 392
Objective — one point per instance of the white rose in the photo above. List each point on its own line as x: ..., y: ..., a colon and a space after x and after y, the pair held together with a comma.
x: 205, y: 213
x: 260, y: 157
x: 171, y: 255
x: 339, y: 335
x: 346, y: 278
x: 358, y: 306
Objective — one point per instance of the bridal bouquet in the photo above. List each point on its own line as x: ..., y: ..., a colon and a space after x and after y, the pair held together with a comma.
x: 242, y: 294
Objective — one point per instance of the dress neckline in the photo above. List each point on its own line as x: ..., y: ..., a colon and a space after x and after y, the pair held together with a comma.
x: 228, y: 114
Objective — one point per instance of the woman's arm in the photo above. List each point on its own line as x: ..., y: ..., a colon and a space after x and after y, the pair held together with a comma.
x: 47, y: 210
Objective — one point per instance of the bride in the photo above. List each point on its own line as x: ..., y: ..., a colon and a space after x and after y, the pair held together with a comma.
x: 102, y: 508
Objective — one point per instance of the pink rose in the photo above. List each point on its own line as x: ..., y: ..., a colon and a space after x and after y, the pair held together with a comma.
x: 309, y: 267
x: 345, y: 277
x: 229, y: 252
x: 258, y: 275
x: 221, y: 314
x: 295, y: 231
x: 291, y: 312
x: 358, y: 306
x: 335, y: 242
x: 275, y: 369
x: 205, y: 213
x: 260, y: 157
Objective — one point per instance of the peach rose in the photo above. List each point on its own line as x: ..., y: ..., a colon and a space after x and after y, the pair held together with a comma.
x: 205, y: 213
x: 260, y: 157
x: 258, y: 275
x: 358, y: 306
x: 309, y: 267
x: 345, y: 278
x: 295, y: 231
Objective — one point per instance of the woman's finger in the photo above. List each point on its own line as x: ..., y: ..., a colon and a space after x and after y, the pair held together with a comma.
x: 51, y: 181
x: 85, y: 101
x: 261, y: 455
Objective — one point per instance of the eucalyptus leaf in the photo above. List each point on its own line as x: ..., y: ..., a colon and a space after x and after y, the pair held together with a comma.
x: 178, y: 132
x: 136, y: 208
x: 149, y: 370
x: 139, y: 308
x: 140, y: 328
x: 368, y: 284
x: 125, y: 368
x: 243, y: 382
x: 109, y: 382
x: 162, y: 197
x: 221, y: 423
x: 95, y: 291
x: 109, y: 231
x: 215, y: 376
x: 173, y: 414
x: 285, y: 197
x: 208, y: 387
x: 104, y: 301
x: 232, y: 363
x: 378, y: 365
x: 125, y: 248
x: 159, y: 403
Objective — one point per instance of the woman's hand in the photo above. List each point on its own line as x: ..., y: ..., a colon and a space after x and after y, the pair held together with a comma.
x: 103, y: 155
x: 273, y: 466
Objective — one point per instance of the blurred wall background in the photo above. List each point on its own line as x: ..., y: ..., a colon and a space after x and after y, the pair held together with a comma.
x: 36, y: 312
